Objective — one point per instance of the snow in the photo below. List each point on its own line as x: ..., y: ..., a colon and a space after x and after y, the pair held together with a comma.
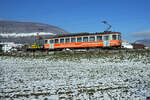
x: 127, y: 45
x: 105, y: 78
x: 8, y: 46
x: 25, y: 34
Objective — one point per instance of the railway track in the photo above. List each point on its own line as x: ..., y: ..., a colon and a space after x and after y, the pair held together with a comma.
x: 73, y: 51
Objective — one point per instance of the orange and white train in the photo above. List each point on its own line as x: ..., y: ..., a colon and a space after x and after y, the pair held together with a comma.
x: 84, y: 40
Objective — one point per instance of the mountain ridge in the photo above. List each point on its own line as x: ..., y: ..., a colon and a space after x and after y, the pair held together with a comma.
x: 146, y: 42
x: 26, y: 32
x: 28, y: 27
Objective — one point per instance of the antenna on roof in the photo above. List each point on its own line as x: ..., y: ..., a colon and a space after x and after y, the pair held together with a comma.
x: 109, y: 26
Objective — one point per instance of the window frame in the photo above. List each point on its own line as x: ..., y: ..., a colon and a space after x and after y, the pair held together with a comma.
x: 79, y: 38
x: 57, y: 41
x: 74, y: 39
x: 99, y: 38
x: 85, y: 39
x: 115, y: 37
x: 66, y: 40
x: 61, y: 40
x: 91, y: 38
x: 106, y: 39
x: 51, y: 41
x: 119, y: 37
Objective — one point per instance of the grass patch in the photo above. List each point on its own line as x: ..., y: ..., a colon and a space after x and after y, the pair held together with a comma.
x: 109, y: 55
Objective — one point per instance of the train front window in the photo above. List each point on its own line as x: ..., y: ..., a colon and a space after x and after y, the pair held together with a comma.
x: 119, y: 37
x: 114, y: 37
x: 106, y: 37
x: 92, y: 38
x: 46, y: 41
x: 85, y: 39
x: 99, y: 38
x: 56, y: 40
x: 67, y: 40
x: 51, y: 41
x: 61, y: 40
x: 73, y: 40
x: 79, y: 39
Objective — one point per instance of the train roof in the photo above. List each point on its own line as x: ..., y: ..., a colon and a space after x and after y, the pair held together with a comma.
x: 83, y: 34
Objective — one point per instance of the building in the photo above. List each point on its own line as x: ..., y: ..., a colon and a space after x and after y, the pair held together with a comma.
x: 147, y: 48
x: 126, y: 45
x: 138, y: 46
x: 9, y: 46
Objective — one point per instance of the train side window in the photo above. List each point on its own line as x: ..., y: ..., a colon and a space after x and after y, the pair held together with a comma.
x: 79, y: 39
x: 61, y: 40
x: 114, y: 37
x: 67, y: 40
x: 73, y: 40
x: 51, y: 41
x: 99, y: 38
x: 92, y: 38
x: 56, y: 40
x: 106, y: 37
x: 85, y: 39
x: 46, y: 41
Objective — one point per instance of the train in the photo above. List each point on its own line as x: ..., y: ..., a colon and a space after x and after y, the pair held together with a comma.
x: 84, y: 40
x: 106, y: 39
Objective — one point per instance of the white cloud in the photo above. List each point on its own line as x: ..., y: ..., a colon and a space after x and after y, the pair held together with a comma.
x: 142, y: 34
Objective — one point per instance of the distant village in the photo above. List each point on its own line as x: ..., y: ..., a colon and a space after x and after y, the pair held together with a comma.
x: 7, y: 47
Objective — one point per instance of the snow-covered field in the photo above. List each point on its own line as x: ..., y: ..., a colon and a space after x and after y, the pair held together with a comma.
x: 124, y: 76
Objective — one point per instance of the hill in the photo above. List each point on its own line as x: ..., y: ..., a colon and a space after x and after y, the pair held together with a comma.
x: 146, y: 42
x: 28, y: 27
x: 25, y: 32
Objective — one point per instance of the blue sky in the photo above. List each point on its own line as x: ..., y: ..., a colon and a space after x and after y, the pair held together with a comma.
x: 130, y: 17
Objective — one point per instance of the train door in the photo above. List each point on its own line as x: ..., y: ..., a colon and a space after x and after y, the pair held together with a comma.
x: 106, y: 41
x: 51, y: 44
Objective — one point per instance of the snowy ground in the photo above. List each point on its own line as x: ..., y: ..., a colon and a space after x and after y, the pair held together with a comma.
x: 115, y: 77
x: 24, y: 34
